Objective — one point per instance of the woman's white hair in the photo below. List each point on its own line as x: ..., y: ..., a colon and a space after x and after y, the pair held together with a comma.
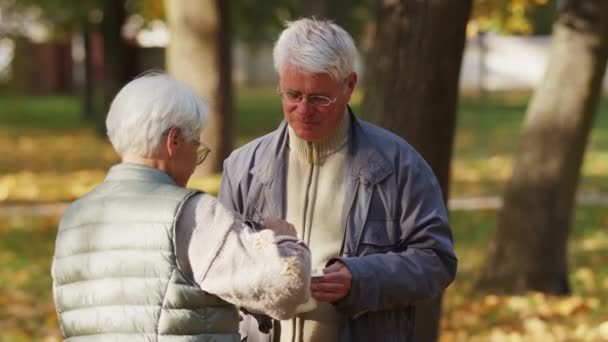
x: 147, y: 107
x: 315, y: 46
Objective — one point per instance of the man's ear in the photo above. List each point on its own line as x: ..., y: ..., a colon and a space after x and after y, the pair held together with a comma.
x: 174, y: 141
x: 351, y: 81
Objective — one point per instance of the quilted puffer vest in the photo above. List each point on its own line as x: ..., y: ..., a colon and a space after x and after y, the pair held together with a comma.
x: 115, y: 273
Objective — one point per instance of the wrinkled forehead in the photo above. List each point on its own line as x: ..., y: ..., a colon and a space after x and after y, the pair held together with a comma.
x: 293, y: 78
x: 294, y: 67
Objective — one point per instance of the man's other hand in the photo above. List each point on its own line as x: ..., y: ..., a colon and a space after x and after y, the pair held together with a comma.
x: 334, y: 285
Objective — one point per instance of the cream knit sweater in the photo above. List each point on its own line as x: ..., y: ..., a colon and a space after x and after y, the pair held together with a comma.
x: 315, y: 193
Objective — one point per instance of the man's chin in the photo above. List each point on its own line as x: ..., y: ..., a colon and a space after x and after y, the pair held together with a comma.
x: 308, y: 136
x: 304, y: 131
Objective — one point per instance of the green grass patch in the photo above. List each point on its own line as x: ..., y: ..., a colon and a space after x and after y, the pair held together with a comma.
x: 41, y: 112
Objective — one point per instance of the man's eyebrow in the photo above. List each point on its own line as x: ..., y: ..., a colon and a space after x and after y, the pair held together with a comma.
x: 311, y: 94
x: 318, y: 94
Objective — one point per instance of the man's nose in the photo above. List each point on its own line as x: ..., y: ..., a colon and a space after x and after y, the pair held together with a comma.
x: 303, y: 107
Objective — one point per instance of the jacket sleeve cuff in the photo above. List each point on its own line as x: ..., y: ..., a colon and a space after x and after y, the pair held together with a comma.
x: 351, y: 305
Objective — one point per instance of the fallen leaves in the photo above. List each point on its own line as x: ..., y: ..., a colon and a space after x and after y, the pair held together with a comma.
x: 48, y: 186
x: 595, y: 242
x: 586, y: 277
x: 487, y: 174
x: 53, y: 186
x: 27, y: 312
x: 471, y: 316
x: 531, y: 317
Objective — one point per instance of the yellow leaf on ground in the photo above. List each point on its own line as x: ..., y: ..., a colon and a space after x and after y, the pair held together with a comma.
x: 570, y: 305
x: 586, y: 277
x: 602, y: 330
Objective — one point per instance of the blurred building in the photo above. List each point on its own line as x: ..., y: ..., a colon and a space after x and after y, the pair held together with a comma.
x: 42, y: 68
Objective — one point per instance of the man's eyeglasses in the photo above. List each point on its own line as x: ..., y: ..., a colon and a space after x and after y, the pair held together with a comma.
x: 295, y: 97
x: 202, y: 152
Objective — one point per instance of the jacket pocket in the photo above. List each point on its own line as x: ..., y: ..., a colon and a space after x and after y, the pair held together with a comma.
x: 378, y: 237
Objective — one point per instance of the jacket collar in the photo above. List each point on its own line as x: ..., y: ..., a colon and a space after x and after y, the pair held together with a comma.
x: 364, y: 160
x: 137, y: 172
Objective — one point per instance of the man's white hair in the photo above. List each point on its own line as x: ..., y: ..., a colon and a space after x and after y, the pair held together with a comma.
x: 147, y: 107
x: 315, y: 46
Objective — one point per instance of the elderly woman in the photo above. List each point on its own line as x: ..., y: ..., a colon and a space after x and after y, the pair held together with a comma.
x: 143, y: 258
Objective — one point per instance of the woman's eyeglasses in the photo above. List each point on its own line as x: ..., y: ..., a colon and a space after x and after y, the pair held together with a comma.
x: 201, y: 153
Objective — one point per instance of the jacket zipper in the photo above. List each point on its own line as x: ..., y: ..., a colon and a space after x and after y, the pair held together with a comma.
x: 307, y: 198
x: 350, y: 209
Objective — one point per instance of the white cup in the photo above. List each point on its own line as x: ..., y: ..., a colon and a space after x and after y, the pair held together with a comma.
x: 311, y: 304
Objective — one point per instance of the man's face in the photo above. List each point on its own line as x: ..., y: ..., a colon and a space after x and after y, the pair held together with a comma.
x: 314, y: 122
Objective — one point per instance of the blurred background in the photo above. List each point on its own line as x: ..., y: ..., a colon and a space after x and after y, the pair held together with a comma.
x: 506, y: 100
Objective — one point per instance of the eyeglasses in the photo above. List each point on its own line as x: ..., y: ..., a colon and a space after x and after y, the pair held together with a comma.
x: 295, y: 97
x: 202, y: 152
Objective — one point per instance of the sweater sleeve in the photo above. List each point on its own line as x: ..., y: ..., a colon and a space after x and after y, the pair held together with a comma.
x: 257, y: 270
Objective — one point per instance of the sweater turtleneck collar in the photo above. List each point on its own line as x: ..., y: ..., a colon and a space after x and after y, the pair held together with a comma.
x: 315, y: 152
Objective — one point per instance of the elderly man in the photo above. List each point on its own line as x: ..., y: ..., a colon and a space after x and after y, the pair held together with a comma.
x: 365, y: 202
x: 142, y: 258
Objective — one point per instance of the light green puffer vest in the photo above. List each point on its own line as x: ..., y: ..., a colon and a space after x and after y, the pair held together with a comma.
x: 115, y: 274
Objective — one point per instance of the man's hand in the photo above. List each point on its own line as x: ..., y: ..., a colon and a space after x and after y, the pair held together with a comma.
x: 333, y: 285
x: 280, y: 227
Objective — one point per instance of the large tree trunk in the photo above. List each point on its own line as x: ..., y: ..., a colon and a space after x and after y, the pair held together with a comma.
x: 411, y: 84
x: 529, y: 248
x: 118, y: 56
x: 199, y: 54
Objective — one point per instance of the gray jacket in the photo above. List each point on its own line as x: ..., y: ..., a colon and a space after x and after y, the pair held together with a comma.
x: 397, y: 241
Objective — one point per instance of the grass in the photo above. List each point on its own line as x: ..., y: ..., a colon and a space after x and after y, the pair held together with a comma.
x: 48, y: 153
x: 47, y: 113
x: 488, y: 135
x: 258, y: 112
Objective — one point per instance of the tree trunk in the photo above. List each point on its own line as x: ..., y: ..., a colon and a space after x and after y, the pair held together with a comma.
x: 411, y: 84
x: 529, y: 248
x: 118, y: 56
x: 88, y: 109
x: 199, y: 54
x: 315, y: 8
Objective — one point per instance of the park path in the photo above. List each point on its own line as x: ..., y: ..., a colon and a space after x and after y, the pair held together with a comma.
x: 455, y: 203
